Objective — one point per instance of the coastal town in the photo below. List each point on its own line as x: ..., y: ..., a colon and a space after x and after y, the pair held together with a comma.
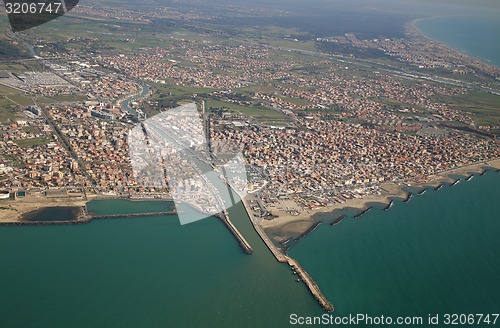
x: 314, y: 130
x: 191, y: 114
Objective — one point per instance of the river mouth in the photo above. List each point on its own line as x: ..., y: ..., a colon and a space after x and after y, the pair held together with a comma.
x: 53, y: 214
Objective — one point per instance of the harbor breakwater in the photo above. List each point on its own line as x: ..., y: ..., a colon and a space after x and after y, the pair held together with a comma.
x: 313, y: 287
x: 244, y: 244
x: 84, y: 218
x: 308, y: 231
x: 281, y: 257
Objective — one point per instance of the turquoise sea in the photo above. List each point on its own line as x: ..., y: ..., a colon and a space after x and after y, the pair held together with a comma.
x: 438, y: 253
x: 143, y: 272
x: 478, y: 36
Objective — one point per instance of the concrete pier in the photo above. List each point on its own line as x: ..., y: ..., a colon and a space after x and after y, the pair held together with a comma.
x: 132, y: 215
x: 278, y: 253
x: 85, y: 218
x: 281, y: 257
x: 313, y: 287
x: 224, y: 216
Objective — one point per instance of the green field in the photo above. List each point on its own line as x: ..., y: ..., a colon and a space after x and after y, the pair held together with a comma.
x: 169, y: 96
x: 7, y: 110
x: 256, y: 112
x: 14, y: 96
x: 29, y: 143
x: 67, y: 98
x: 115, y: 36
x: 4, y: 91
x: 21, y: 100
x: 484, y: 106
x: 297, y: 101
x: 300, y: 45
x: 31, y: 129
x: 256, y: 88
x: 19, y: 67
x: 395, y: 103
x: 180, y: 91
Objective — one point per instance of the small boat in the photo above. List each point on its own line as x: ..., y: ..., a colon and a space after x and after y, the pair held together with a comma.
x: 298, y: 280
x: 470, y: 177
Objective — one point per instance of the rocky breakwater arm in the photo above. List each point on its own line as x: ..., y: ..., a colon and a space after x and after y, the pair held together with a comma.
x: 280, y: 256
x: 224, y: 216
x: 313, y: 287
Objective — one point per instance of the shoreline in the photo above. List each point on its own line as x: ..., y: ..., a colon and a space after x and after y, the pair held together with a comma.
x: 83, y: 218
x: 15, y: 211
x: 413, y: 31
x: 280, y: 255
x: 280, y: 251
x: 307, y: 220
x: 286, y: 226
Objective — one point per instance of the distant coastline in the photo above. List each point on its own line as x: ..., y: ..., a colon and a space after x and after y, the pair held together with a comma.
x: 417, y: 26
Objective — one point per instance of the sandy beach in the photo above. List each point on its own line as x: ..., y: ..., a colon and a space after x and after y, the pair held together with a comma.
x: 287, y: 225
x: 13, y: 210
x: 412, y: 30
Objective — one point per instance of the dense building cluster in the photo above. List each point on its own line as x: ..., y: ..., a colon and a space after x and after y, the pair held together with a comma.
x: 322, y: 158
x: 344, y: 127
x: 32, y: 156
x: 99, y: 146
x: 216, y: 66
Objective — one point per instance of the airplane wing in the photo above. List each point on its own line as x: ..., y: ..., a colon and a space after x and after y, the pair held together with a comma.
x: 25, y: 14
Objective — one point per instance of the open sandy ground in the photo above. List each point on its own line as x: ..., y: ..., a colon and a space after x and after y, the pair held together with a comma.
x: 13, y: 210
